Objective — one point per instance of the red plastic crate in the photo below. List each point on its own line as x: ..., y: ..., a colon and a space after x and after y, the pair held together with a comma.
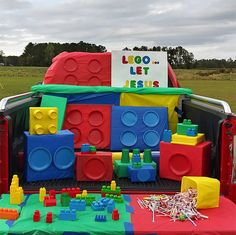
x: 178, y: 160
x: 80, y: 68
x: 94, y: 166
x: 90, y: 124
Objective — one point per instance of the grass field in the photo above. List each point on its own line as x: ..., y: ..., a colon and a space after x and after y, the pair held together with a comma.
x: 16, y: 80
x: 212, y: 83
x: 219, y: 84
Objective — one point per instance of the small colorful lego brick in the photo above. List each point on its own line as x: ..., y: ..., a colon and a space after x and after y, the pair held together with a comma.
x: 52, y: 193
x: 97, y: 206
x: 107, y: 189
x: 65, y: 199
x: 69, y: 215
x: 104, y: 200
x: 85, y: 148
x: 42, y: 194
x: 116, y: 198
x: 84, y: 193
x: 48, y: 201
x: 115, y: 214
x: 167, y: 136
x: 100, y: 218
x: 110, y: 206
x: 36, y: 216
x: 71, y: 191
x: 78, y: 205
x: 16, y: 192
x: 49, y: 217
x: 113, y: 185
x: 9, y: 214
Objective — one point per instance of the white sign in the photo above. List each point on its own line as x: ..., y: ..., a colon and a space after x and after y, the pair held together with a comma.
x: 139, y: 69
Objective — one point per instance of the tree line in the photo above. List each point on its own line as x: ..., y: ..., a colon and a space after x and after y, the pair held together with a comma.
x: 41, y: 54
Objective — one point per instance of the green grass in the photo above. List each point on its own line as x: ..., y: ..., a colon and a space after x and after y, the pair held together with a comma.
x: 215, y: 83
x: 218, y: 89
x: 206, y: 74
x: 16, y: 80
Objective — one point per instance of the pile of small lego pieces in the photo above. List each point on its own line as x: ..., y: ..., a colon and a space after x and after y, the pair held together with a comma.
x: 181, y: 206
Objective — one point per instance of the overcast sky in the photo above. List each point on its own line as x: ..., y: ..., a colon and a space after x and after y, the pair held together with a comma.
x: 205, y: 27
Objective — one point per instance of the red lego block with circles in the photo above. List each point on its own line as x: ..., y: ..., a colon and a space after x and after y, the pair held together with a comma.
x: 89, y: 123
x: 80, y: 68
x: 178, y: 160
x: 94, y: 166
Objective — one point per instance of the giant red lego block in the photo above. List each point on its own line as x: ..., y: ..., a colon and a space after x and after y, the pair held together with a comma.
x: 178, y: 160
x: 80, y: 68
x: 94, y: 166
x: 89, y: 123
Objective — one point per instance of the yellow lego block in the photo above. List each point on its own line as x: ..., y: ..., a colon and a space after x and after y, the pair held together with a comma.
x: 188, y: 140
x: 154, y: 100
x: 113, y: 185
x: 208, y: 190
x: 15, y: 180
x: 43, y: 120
x: 16, y: 192
x: 84, y: 193
x: 117, y: 156
x: 42, y: 194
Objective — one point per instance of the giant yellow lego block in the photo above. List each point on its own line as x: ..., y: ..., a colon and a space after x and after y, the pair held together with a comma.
x: 43, y: 120
x: 187, y: 140
x: 208, y: 190
x: 154, y: 100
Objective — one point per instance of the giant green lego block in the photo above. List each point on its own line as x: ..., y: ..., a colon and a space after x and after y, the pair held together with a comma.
x: 55, y: 101
x: 121, y: 169
x: 184, y: 126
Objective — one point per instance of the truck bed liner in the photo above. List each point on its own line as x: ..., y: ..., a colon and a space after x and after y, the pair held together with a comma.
x: 161, y: 185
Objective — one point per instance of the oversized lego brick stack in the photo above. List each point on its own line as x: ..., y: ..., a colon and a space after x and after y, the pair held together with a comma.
x: 136, y: 169
x: 92, y: 165
x: 89, y: 123
x: 137, y: 127
x: 49, y: 153
x: 79, y: 68
x: 188, y: 154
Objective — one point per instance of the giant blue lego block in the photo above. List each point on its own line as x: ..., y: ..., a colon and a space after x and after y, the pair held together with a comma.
x: 138, y: 127
x: 146, y: 173
x: 49, y: 156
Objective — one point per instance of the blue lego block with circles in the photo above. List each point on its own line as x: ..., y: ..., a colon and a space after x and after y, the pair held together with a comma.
x: 49, y: 156
x: 146, y: 173
x: 138, y: 127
